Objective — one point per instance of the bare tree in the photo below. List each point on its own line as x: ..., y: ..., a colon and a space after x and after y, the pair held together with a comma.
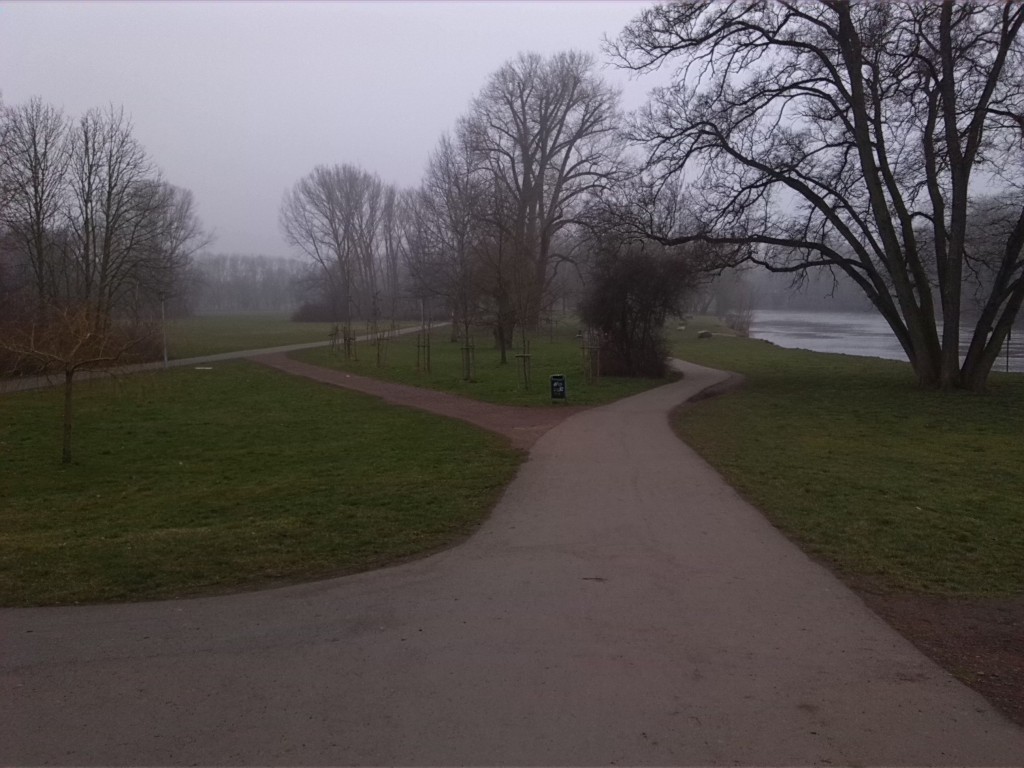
x: 391, y: 231
x: 33, y: 177
x: 312, y: 220
x: 5, y: 137
x: 502, y: 267
x: 67, y: 341
x: 829, y: 134
x: 990, y: 221
x: 162, y: 267
x: 445, y: 238
x: 544, y: 133
x: 364, y: 199
x: 117, y: 211
x: 342, y: 217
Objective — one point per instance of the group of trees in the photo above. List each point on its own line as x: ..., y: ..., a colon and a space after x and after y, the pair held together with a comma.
x: 881, y: 141
x: 85, y: 218
x: 346, y: 220
x: 92, y: 240
x: 859, y: 137
x: 490, y: 226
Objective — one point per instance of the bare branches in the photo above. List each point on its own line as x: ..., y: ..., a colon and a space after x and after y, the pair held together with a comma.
x: 544, y: 133
x: 834, y: 132
x: 90, y: 218
x: 345, y: 219
x: 66, y: 339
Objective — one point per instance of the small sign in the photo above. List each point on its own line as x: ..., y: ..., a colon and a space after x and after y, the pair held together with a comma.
x: 558, y: 387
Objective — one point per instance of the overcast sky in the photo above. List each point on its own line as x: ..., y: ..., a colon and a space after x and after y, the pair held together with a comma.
x: 238, y: 100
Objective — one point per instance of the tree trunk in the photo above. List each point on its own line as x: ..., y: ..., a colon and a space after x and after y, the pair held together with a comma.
x: 68, y: 416
x: 456, y: 321
x: 502, y: 340
x: 980, y: 361
x: 924, y: 358
x: 927, y: 367
x: 950, y: 362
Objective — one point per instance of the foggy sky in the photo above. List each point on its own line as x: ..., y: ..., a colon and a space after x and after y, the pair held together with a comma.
x: 238, y: 100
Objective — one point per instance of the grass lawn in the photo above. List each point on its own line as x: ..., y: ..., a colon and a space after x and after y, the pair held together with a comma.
x: 214, y: 334
x: 197, y: 481
x: 901, y: 489
x: 493, y: 382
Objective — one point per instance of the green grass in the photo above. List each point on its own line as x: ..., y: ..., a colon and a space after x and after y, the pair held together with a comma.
x: 198, y: 481
x: 214, y: 334
x: 900, y: 489
x: 493, y: 382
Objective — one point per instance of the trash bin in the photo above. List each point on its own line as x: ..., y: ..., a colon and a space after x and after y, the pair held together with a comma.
x: 558, y: 387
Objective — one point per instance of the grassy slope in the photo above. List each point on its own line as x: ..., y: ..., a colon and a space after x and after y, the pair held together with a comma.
x: 195, y: 481
x: 899, y: 488
x: 493, y: 382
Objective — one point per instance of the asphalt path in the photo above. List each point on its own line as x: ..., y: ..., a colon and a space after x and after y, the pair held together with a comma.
x: 622, y: 605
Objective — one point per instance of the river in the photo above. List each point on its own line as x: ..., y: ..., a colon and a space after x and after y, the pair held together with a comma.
x: 851, y: 333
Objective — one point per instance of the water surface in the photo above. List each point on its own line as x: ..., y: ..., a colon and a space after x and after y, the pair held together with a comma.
x: 852, y: 333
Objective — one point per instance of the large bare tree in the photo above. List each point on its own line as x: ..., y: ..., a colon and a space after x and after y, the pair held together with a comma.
x: 343, y: 218
x: 116, y: 214
x: 852, y: 136
x: 543, y: 131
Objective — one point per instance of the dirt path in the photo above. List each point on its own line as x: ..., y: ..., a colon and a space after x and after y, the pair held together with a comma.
x: 523, y: 426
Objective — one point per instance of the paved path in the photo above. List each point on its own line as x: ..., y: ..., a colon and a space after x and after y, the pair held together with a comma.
x: 622, y: 605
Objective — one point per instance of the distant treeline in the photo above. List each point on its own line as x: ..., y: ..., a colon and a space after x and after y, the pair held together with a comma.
x: 236, y: 283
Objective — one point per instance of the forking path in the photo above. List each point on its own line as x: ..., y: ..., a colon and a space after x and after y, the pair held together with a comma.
x: 622, y: 605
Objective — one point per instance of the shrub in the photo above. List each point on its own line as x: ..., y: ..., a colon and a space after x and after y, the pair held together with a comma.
x: 630, y: 293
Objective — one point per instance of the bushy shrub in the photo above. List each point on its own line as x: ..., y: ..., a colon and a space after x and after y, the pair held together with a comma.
x: 628, y: 296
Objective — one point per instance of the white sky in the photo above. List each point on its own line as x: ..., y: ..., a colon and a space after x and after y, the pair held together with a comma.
x: 238, y: 100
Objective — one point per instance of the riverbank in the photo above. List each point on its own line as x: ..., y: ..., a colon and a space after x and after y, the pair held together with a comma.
x: 852, y: 333
x: 911, y: 497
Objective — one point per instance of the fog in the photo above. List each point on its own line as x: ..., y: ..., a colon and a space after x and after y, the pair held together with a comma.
x: 236, y: 101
